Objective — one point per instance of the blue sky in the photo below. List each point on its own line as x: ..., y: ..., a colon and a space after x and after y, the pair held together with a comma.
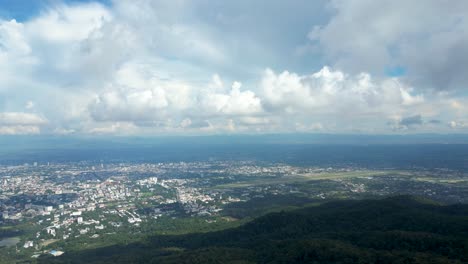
x: 231, y: 67
x: 23, y: 10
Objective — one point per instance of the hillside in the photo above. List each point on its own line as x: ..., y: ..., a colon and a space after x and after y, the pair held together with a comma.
x: 400, y: 229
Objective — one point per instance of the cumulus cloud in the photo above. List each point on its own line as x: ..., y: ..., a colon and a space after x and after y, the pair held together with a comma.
x: 19, y: 123
x: 129, y: 105
x: 154, y: 67
x: 139, y: 95
x: 458, y: 124
x: 13, y: 39
x: 68, y: 23
x: 19, y: 118
x: 234, y: 102
x: 331, y: 91
x: 428, y: 38
x: 15, y: 52
x: 331, y: 100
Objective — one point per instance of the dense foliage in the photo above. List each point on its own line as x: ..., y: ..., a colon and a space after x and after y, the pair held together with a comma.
x: 394, y: 230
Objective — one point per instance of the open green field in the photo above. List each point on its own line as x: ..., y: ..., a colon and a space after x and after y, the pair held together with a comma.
x: 310, y: 177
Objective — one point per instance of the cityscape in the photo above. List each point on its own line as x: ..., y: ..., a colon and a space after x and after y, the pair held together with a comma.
x: 87, y: 200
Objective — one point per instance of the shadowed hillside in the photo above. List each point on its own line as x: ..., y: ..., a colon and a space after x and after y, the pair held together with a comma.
x: 400, y: 229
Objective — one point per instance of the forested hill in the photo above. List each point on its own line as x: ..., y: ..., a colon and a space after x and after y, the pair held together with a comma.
x: 400, y: 229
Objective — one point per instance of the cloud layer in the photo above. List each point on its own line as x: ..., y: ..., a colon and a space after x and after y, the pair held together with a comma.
x: 154, y: 67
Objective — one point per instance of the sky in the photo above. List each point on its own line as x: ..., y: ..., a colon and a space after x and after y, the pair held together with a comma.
x: 149, y: 67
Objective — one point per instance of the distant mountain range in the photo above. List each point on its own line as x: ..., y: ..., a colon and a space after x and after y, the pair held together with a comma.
x: 369, y: 151
x: 44, y: 141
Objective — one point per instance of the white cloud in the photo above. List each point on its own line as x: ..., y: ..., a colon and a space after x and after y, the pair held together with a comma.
x: 189, y: 67
x: 139, y: 95
x: 458, y: 124
x: 15, y: 53
x: 338, y: 101
x: 19, y: 123
x: 129, y: 105
x: 235, y: 102
x: 329, y: 91
x: 12, y: 39
x: 68, y: 24
x: 429, y: 38
x: 20, y: 118
x: 19, y: 130
x: 114, y: 128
